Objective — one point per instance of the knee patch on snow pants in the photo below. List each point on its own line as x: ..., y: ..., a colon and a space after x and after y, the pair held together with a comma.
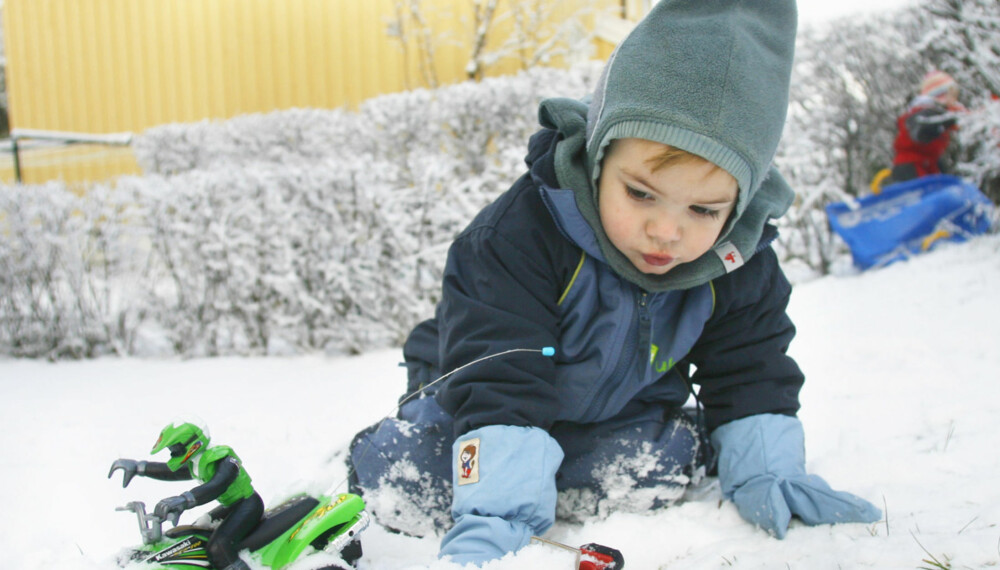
x: 641, y: 460
x: 402, y: 467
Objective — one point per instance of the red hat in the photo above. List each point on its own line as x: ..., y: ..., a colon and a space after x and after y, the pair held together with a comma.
x: 937, y: 83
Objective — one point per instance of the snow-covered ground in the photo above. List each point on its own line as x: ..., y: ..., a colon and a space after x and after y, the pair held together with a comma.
x: 901, y: 406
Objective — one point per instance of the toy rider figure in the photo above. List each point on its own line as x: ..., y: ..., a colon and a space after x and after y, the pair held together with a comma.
x: 223, y: 478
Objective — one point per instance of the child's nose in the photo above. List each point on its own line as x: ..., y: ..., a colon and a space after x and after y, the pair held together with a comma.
x: 663, y: 229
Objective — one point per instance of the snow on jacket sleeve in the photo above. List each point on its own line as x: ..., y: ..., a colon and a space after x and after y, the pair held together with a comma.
x: 500, y: 292
x: 741, y: 360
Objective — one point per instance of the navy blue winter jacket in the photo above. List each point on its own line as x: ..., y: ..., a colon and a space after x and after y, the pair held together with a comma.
x: 528, y: 273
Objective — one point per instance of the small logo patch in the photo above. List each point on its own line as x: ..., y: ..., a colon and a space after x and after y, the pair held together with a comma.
x: 730, y: 256
x: 468, y: 462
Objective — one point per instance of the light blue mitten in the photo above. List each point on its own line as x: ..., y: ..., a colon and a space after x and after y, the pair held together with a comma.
x: 762, y: 470
x: 505, y: 491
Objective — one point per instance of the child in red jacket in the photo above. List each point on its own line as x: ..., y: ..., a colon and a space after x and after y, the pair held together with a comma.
x: 924, y: 130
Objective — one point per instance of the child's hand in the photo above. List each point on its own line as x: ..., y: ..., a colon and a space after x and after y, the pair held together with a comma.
x: 770, y: 501
x: 129, y: 467
x: 762, y: 470
x: 512, y: 497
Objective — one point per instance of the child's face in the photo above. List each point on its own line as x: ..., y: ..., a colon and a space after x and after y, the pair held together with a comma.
x: 660, y: 219
x: 950, y: 97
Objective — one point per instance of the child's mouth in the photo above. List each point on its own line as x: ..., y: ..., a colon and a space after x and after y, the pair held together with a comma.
x: 657, y: 260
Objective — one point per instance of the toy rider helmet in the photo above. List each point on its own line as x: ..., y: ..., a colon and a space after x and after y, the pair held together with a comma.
x: 184, y: 440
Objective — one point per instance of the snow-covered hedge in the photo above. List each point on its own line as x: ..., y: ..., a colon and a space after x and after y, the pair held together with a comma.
x: 275, y: 233
x: 979, y: 135
x: 71, y: 271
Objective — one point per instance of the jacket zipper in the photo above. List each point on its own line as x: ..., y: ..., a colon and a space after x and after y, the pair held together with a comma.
x: 626, y: 358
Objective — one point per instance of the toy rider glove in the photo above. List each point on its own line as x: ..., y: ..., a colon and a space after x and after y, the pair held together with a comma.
x: 171, y: 508
x: 130, y: 468
x: 762, y: 470
x: 505, y: 491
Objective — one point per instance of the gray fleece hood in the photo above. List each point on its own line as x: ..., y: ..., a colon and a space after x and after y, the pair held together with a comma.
x: 710, y: 77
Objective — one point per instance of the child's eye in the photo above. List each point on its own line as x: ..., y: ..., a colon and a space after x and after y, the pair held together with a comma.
x: 637, y: 194
x: 705, y: 212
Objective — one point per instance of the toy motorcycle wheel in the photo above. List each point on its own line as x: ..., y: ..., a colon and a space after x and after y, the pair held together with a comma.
x: 350, y: 554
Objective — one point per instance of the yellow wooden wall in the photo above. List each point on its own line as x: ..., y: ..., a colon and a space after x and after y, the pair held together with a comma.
x: 102, y: 66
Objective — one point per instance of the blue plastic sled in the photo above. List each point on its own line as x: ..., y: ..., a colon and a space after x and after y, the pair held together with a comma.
x: 909, y: 218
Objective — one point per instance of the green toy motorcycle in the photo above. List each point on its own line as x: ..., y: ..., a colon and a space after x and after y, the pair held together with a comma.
x: 297, y: 527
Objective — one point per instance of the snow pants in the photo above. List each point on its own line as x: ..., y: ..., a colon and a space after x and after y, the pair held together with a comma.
x: 642, y: 459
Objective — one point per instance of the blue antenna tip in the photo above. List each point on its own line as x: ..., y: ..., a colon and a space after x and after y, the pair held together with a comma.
x: 548, y: 351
